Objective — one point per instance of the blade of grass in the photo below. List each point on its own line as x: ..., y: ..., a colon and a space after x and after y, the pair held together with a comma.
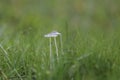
x: 9, y: 61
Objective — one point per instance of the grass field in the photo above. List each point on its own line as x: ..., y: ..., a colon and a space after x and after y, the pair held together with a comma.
x: 90, y: 36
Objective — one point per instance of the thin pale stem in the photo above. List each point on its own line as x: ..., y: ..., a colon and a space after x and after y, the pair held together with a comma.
x: 50, y: 53
x: 56, y: 47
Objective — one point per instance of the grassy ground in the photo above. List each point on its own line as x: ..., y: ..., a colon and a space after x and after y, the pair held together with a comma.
x: 91, y: 42
x: 92, y: 55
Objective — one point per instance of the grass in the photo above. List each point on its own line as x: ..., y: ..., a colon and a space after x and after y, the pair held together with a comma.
x: 90, y: 34
x: 87, y: 56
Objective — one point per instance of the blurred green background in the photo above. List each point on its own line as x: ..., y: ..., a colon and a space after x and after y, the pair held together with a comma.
x: 58, y: 13
x: 89, y: 28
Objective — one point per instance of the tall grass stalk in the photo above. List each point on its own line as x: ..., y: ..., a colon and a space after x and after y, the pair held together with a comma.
x: 61, y: 42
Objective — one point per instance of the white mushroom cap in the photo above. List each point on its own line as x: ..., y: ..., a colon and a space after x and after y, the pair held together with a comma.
x: 55, y: 32
x: 52, y: 34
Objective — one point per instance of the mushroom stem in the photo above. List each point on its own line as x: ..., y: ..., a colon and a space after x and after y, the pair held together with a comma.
x: 50, y: 53
x: 56, y: 47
